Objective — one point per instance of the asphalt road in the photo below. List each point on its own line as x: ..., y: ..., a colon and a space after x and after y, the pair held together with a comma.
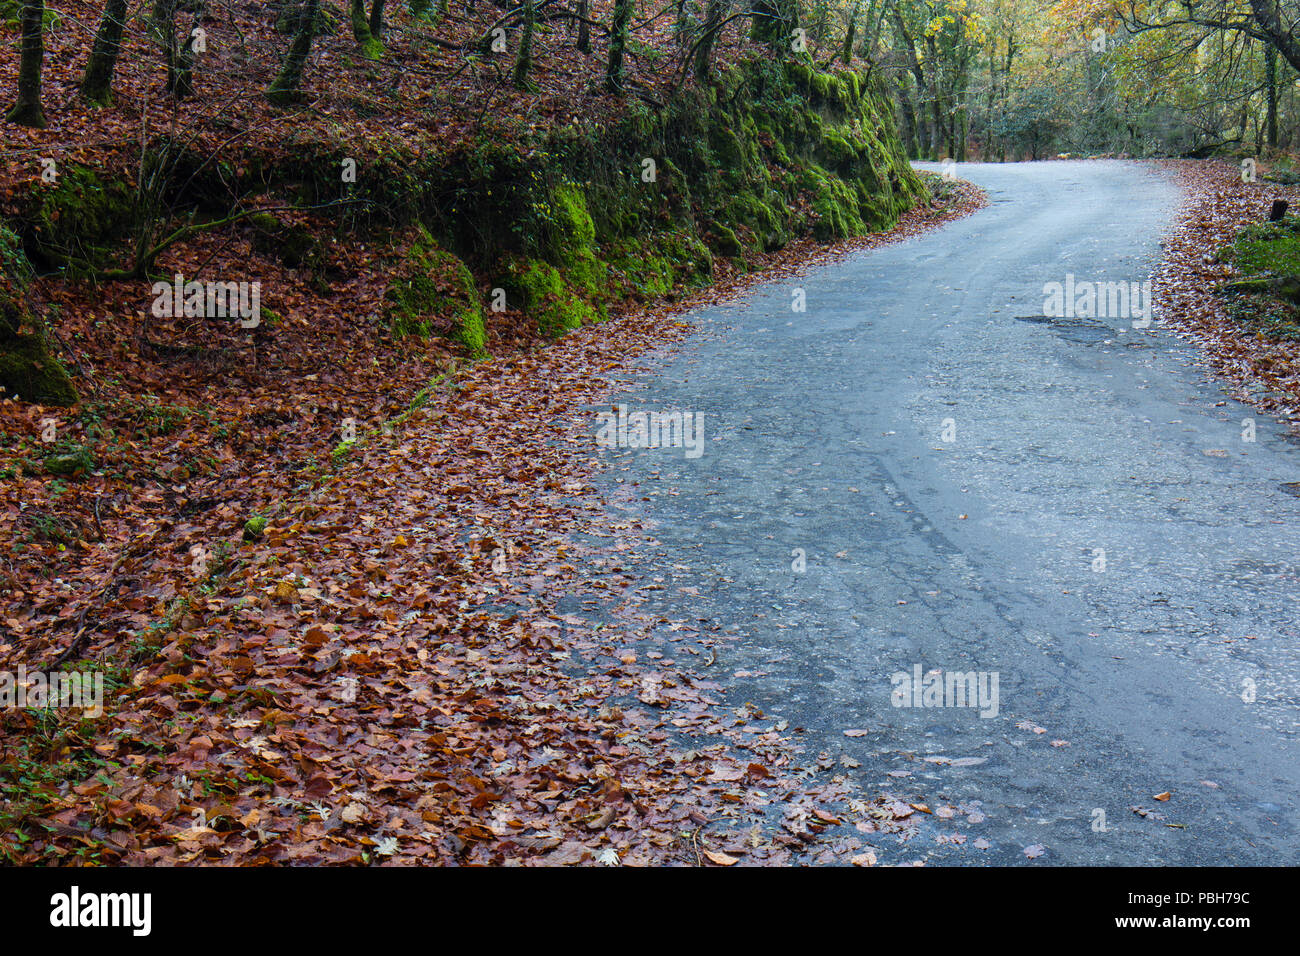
x: 1068, y: 504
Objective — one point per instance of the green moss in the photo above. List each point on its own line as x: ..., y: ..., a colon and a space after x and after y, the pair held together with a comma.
x: 642, y: 273
x: 542, y: 291
x: 838, y: 151
x: 824, y: 86
x: 75, y: 462
x: 852, y: 89
x: 15, y: 270
x: 650, y: 276
x: 589, y: 278
x: 431, y: 284
x: 572, y: 229
x: 30, y: 372
x: 689, y: 257
x: 727, y: 148
x: 1266, y: 248
x: 50, y: 19
x: 834, y: 204
x: 73, y: 221
x: 760, y: 219
x: 724, y: 240
x: 254, y: 527
x: 799, y: 72
x: 371, y: 47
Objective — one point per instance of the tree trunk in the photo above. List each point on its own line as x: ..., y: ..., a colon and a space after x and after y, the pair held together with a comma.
x: 371, y: 48
x: 1266, y: 14
x: 288, y: 84
x: 704, y: 52
x: 766, y: 27
x: 179, y: 61
x: 185, y: 69
x: 909, y: 131
x: 847, y: 52
x: 1270, y: 72
x: 524, y: 61
x: 97, y: 84
x: 27, y: 109
x: 584, y: 30
x: 617, y: 41
x: 377, y: 19
x: 922, y: 88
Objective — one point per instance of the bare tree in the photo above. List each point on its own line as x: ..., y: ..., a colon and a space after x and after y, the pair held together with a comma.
x: 371, y: 47
x: 617, y: 43
x: 27, y: 109
x: 524, y: 61
x: 584, y: 28
x: 97, y: 84
x: 288, y: 82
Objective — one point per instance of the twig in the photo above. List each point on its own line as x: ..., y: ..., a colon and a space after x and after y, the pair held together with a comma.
x: 81, y: 618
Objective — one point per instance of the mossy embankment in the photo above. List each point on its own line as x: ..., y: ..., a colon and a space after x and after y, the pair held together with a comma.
x: 1266, y: 298
x: 27, y: 368
x: 561, y: 222
x: 579, y: 222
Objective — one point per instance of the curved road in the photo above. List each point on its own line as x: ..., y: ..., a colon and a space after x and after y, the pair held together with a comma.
x: 1068, y: 504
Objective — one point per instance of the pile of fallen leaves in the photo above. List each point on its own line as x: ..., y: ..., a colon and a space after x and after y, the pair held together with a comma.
x: 320, y: 571
x: 1263, y: 370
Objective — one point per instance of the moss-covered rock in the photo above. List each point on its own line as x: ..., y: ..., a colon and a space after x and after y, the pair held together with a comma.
x: 30, y: 372
x: 75, y: 462
x: 839, y: 151
x: 433, y: 290
x: 688, y: 255
x: 27, y: 369
x: 572, y: 231
x: 834, y: 204
x: 541, y: 290
x: 643, y: 274
x: 671, y: 262
x: 724, y: 241
x: 728, y: 150
x: 73, y: 222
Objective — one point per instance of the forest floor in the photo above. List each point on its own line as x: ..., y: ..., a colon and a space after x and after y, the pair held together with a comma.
x: 1261, y: 361
x: 375, y: 668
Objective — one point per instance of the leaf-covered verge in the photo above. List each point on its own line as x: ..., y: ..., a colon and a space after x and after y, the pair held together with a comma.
x: 317, y: 562
x: 1221, y: 281
x: 367, y: 665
